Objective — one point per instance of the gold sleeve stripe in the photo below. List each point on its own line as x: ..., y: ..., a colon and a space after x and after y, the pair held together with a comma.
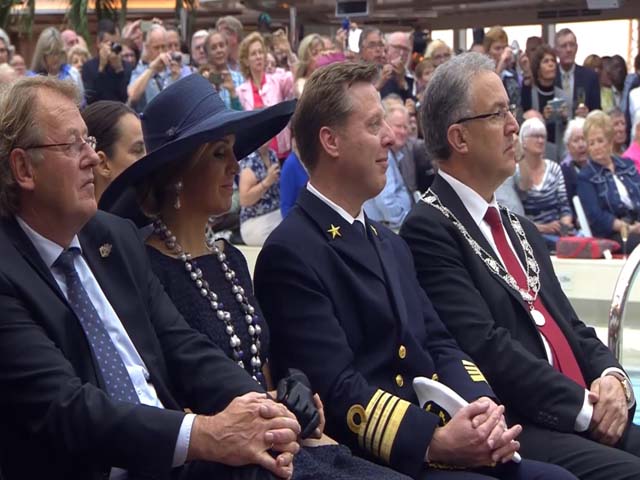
x: 391, y: 431
x: 369, y: 410
x: 473, y: 371
x: 375, y: 421
x: 377, y: 438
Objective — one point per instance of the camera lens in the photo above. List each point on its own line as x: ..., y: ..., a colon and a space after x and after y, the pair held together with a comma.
x: 176, y: 57
x: 116, y: 48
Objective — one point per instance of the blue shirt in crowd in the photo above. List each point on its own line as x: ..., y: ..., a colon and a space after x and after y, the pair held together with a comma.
x: 158, y: 82
x: 394, y: 202
x: 293, y: 178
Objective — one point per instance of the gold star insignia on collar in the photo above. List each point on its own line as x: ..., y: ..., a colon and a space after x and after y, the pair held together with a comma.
x: 373, y: 229
x: 105, y: 250
x: 334, y: 231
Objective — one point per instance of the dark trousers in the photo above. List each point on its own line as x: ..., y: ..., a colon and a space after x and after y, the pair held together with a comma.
x: 585, y: 458
x: 526, y: 470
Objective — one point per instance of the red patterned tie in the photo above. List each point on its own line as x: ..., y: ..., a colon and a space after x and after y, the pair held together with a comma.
x: 563, y: 358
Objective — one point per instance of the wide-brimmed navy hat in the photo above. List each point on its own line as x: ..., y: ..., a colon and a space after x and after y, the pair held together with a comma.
x: 181, y: 118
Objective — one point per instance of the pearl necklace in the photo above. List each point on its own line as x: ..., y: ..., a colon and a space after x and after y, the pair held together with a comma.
x: 195, y: 274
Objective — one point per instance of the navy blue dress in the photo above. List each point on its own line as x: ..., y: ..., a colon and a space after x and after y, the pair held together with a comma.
x: 332, y: 462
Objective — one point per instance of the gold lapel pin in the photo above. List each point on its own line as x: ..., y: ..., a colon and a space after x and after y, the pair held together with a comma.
x: 105, y: 250
x: 334, y: 231
x: 373, y: 229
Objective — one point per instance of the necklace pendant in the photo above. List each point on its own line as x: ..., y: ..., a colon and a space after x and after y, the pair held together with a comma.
x: 538, y: 317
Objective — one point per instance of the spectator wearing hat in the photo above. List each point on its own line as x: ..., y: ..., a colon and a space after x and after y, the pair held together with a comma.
x: 206, y: 177
x: 115, y: 364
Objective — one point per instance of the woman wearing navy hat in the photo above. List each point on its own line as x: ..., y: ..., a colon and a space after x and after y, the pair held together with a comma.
x: 194, y: 142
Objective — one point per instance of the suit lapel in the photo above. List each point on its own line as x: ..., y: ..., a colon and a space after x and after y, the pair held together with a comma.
x: 342, y: 236
x: 389, y: 263
x: 23, y: 244
x: 450, y: 199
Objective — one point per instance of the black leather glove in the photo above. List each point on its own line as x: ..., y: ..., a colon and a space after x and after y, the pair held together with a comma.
x: 295, y: 392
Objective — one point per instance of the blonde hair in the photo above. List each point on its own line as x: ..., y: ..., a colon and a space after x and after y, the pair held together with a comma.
x: 243, y: 52
x: 598, y: 119
x: 433, y: 46
x: 49, y: 43
x: 304, y: 54
x: 78, y: 50
x: 495, y: 34
x: 19, y: 127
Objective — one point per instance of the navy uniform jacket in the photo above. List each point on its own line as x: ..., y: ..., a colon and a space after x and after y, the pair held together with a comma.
x: 350, y: 313
x: 490, y: 320
x: 56, y: 420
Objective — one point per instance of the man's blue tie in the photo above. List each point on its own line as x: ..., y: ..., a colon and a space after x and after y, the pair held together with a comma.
x: 117, y: 380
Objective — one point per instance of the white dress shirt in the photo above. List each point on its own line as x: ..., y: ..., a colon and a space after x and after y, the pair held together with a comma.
x: 49, y: 252
x: 337, y: 208
x: 477, y: 208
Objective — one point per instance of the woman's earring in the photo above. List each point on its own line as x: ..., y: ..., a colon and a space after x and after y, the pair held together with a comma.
x: 178, y: 187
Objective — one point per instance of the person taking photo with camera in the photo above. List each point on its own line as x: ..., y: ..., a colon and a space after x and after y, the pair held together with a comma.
x: 156, y: 70
x: 106, y: 76
x: 220, y: 74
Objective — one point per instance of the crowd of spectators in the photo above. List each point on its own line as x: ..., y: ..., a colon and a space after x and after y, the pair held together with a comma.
x: 195, y: 137
x: 257, y: 70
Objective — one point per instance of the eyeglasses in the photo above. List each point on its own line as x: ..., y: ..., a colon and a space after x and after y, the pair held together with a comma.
x: 73, y: 148
x: 374, y: 45
x: 500, y: 114
x: 403, y: 48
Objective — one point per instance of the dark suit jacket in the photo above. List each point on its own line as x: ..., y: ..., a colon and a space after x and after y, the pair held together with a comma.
x: 490, y: 321
x: 585, y: 80
x: 57, y: 421
x: 349, y: 312
x: 105, y: 85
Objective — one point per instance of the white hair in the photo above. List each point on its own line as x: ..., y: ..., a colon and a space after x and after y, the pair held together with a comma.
x: 532, y: 126
x: 573, y: 125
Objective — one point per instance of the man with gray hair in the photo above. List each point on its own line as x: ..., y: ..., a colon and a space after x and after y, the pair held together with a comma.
x: 344, y: 305
x: 96, y: 364
x: 198, y: 49
x: 401, y: 81
x: 489, y: 275
x: 156, y: 70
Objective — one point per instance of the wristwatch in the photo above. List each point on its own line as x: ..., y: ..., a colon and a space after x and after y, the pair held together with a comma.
x: 626, y: 386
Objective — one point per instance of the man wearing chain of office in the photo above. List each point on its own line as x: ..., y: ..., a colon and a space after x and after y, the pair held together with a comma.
x: 491, y: 280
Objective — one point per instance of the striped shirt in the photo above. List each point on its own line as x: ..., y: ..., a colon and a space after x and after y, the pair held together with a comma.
x: 546, y: 202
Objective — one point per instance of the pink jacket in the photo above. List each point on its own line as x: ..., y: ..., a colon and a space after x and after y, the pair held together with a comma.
x: 633, y: 152
x: 277, y: 88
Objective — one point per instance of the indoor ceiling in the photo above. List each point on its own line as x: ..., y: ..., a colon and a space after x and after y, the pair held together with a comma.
x: 442, y: 13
